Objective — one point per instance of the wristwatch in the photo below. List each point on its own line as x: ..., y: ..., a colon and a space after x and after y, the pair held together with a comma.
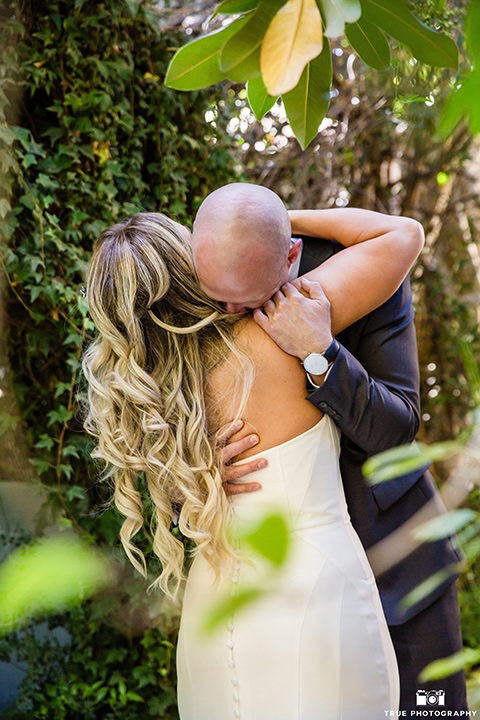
x: 318, y: 363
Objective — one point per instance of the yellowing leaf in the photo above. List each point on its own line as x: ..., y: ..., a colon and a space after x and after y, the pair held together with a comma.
x: 293, y: 38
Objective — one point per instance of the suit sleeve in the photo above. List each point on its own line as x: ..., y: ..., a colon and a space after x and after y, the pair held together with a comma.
x: 371, y: 390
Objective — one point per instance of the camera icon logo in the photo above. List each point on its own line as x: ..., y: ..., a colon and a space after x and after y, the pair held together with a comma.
x: 430, y: 698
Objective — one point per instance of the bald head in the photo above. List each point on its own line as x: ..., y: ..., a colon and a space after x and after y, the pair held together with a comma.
x: 241, y: 243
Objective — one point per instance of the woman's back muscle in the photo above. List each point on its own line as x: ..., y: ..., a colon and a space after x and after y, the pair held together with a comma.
x: 276, y: 408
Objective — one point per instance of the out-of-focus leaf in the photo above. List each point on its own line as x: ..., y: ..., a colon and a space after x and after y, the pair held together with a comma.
x: 269, y: 539
x: 308, y: 102
x: 395, y: 18
x: 230, y: 7
x: 370, y: 43
x: 448, y: 666
x: 224, y: 610
x: 338, y: 12
x: 406, y: 458
x: 472, y: 30
x: 444, y: 525
x: 429, y: 585
x: 240, y: 58
x: 294, y: 37
x: 45, y: 577
x: 196, y: 65
x: 258, y: 97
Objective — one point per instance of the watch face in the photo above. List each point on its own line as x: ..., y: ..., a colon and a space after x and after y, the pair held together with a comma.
x: 315, y: 364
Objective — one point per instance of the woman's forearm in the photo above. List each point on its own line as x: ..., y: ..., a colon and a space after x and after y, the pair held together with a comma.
x: 348, y: 226
x: 380, y: 249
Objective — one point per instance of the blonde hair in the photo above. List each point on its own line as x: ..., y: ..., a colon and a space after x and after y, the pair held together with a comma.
x: 159, y: 335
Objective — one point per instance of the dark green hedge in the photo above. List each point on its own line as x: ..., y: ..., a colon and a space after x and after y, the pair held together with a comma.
x: 88, y: 135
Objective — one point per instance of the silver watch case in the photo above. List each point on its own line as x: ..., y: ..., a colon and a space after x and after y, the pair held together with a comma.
x: 316, y: 364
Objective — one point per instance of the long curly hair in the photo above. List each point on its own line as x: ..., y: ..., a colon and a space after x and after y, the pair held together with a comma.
x: 159, y: 336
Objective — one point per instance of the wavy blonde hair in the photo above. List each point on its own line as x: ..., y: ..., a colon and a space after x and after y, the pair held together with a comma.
x: 159, y: 336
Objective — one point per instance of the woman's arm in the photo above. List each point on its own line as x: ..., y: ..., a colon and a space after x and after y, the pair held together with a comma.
x: 380, y: 250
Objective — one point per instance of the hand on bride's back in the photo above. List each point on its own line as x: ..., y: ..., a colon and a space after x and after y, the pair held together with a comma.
x: 231, y: 449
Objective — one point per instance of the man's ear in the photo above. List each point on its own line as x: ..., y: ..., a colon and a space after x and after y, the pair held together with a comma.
x: 294, y: 252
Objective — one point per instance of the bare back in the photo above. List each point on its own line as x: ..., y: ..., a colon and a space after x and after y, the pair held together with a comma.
x: 276, y: 408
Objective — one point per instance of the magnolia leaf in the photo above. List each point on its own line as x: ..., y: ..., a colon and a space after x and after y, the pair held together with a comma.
x: 196, y: 65
x: 337, y: 12
x: 258, y: 97
x: 293, y: 38
x: 46, y: 576
x: 308, y: 102
x: 472, y: 30
x: 448, y: 666
x: 230, y: 7
x: 444, y: 525
x: 395, y: 18
x: 240, y: 58
x: 369, y: 43
x: 463, y: 103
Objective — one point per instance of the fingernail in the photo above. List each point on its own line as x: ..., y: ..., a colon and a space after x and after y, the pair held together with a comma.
x: 261, y: 464
x: 255, y: 487
x: 254, y: 439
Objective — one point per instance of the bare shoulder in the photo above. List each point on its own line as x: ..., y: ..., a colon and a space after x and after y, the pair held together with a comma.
x: 276, y: 407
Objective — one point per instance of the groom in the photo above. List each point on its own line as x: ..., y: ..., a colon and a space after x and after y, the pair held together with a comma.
x: 243, y: 256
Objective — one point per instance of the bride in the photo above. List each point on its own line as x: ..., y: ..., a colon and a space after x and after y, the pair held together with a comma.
x: 168, y: 368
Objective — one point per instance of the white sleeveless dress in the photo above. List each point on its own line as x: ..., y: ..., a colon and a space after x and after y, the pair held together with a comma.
x: 316, y: 646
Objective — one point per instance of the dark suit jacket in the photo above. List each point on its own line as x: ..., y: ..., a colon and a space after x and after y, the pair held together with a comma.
x: 372, y: 394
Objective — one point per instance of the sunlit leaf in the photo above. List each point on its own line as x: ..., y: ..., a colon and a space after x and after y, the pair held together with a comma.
x: 395, y: 18
x: 338, y: 12
x: 269, y: 539
x: 406, y: 458
x: 472, y: 30
x: 448, y: 666
x: 258, y: 97
x: 308, y: 102
x: 196, y: 65
x: 370, y: 43
x: 230, y: 7
x: 45, y: 577
x: 240, y: 58
x: 228, y: 606
x: 293, y: 38
x: 444, y: 525
x: 429, y: 585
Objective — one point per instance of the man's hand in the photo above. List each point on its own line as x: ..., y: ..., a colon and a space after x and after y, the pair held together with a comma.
x: 299, y: 325
x: 229, y: 452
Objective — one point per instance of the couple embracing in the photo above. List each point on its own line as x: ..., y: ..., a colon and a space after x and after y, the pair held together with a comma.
x: 309, y: 355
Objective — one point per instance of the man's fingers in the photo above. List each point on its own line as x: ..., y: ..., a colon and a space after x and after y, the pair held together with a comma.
x: 235, y: 448
x: 228, y: 430
x: 240, y: 489
x: 236, y: 472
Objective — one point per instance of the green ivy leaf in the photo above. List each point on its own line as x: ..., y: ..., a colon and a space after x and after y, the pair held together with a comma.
x: 308, y: 102
x: 260, y: 101
x: 369, y: 43
x: 395, y: 18
x: 196, y: 65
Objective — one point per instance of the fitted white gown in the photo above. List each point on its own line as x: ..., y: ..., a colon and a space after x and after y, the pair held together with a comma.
x: 314, y: 647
